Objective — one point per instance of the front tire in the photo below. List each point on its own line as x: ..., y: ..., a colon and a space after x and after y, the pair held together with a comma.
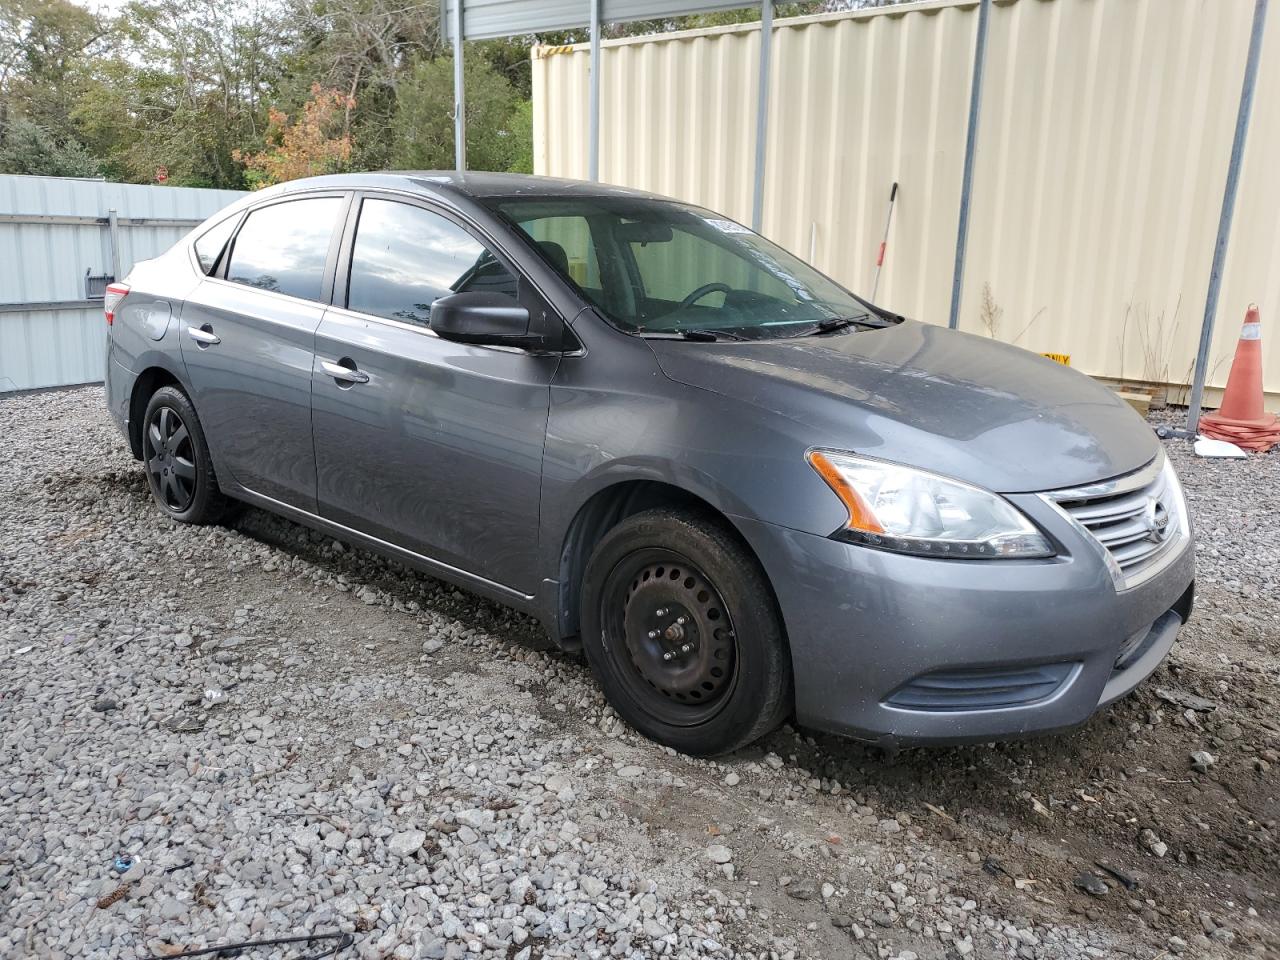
x: 176, y: 456
x: 681, y: 630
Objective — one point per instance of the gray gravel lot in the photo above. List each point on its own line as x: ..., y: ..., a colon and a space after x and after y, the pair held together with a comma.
x: 288, y: 735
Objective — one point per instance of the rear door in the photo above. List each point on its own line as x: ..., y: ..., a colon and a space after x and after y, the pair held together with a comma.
x: 248, y: 342
x: 433, y: 446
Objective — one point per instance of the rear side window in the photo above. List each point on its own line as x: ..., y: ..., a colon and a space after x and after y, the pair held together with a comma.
x: 405, y: 258
x: 283, y: 247
x: 211, y: 242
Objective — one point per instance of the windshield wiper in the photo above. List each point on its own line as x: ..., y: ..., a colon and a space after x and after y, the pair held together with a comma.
x: 838, y: 323
x: 701, y: 336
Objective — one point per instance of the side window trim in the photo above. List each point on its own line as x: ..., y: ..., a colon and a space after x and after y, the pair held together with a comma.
x: 340, y: 289
x: 220, y: 263
x: 342, y: 276
x: 336, y: 236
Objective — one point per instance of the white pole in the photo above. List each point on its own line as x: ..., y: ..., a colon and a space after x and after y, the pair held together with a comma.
x: 459, y: 93
x: 593, y: 107
x: 762, y: 112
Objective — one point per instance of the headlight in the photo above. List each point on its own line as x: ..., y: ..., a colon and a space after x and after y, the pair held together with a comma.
x: 913, y: 511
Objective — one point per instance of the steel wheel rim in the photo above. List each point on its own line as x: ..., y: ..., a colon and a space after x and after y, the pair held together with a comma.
x: 668, y: 630
x: 171, y: 462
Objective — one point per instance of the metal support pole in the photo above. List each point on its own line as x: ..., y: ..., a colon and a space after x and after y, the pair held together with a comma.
x: 762, y: 112
x: 459, y: 93
x: 1228, y: 211
x: 593, y: 108
x: 970, y: 144
x: 113, y: 231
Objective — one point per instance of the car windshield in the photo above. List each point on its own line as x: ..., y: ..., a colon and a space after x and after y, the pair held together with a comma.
x: 657, y: 267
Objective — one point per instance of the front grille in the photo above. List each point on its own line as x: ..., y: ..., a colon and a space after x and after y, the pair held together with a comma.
x: 981, y: 689
x: 1137, y: 519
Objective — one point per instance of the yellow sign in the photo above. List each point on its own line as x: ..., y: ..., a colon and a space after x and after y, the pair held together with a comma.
x: 1062, y: 358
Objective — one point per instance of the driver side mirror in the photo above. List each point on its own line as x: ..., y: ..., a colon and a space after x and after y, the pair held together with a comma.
x: 494, y: 319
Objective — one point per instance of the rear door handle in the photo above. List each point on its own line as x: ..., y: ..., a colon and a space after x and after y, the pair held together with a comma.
x: 342, y: 372
x: 204, y: 336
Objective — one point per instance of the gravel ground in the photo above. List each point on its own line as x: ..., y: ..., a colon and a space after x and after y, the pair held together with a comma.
x: 289, y: 736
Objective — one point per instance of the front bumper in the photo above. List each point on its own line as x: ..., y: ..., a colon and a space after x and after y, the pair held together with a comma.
x: 904, y: 650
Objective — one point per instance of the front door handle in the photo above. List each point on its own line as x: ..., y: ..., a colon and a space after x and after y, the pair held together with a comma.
x: 203, y: 336
x: 342, y: 373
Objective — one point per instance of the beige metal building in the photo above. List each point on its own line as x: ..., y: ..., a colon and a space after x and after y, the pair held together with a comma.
x: 1101, y: 157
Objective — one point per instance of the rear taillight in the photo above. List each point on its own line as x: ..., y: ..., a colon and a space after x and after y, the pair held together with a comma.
x: 111, y: 300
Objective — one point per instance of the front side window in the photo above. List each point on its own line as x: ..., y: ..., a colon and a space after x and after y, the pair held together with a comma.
x: 209, y: 246
x: 405, y: 258
x: 656, y: 266
x: 284, y: 247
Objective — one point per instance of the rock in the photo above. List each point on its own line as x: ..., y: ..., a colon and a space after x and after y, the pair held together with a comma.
x: 1230, y: 731
x: 104, y: 704
x: 890, y: 826
x: 1091, y: 884
x: 1188, y: 701
x: 773, y: 760
x: 732, y: 779
x: 407, y: 843
x: 1152, y: 843
x: 802, y: 890
x: 828, y: 891
x: 1202, y: 760
x: 335, y: 840
x: 172, y: 909
x: 630, y: 772
x: 841, y: 920
x: 718, y: 853
x: 593, y: 887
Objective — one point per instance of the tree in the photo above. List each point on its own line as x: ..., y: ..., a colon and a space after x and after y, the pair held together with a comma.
x: 29, y: 148
x: 366, y: 48
x: 499, y: 131
x: 44, y: 48
x: 312, y: 145
x: 183, y: 86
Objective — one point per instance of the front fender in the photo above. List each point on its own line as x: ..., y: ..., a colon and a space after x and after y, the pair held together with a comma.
x: 743, y: 461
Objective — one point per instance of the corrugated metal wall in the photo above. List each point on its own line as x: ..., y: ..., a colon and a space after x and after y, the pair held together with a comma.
x: 44, y: 262
x: 1105, y: 132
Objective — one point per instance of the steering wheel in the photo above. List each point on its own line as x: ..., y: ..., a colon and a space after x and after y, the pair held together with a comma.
x: 702, y: 291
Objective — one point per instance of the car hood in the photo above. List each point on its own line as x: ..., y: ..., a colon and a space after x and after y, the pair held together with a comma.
x: 961, y: 405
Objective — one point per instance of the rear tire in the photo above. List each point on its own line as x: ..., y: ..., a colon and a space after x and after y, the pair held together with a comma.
x: 177, y: 462
x: 681, y: 629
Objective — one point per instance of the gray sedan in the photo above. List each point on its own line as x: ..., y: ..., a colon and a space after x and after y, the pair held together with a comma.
x: 740, y: 489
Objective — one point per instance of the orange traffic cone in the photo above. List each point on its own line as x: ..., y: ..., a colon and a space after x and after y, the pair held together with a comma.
x: 1242, y: 419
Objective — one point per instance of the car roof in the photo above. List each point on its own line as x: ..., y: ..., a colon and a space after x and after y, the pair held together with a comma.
x: 476, y: 184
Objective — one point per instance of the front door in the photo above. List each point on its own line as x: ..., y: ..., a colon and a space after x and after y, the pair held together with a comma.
x: 427, y: 444
x: 248, y: 343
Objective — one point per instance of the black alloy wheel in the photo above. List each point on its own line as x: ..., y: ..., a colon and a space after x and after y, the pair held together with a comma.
x: 179, y: 468
x: 171, y: 461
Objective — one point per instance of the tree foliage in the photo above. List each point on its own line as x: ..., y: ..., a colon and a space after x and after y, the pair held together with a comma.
x: 29, y: 148
x: 499, y: 135
x: 317, y: 142
x: 239, y: 93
